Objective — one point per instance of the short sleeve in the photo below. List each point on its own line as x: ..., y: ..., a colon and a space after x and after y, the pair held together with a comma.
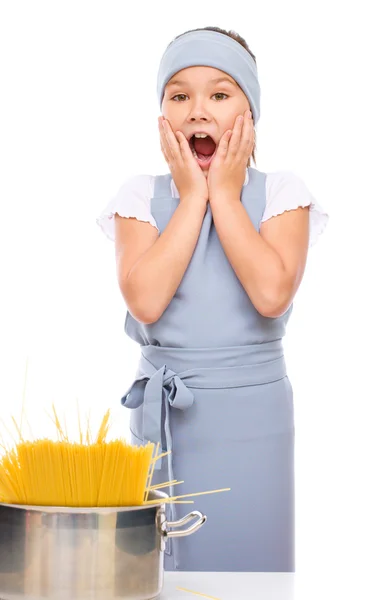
x: 133, y: 200
x: 287, y: 191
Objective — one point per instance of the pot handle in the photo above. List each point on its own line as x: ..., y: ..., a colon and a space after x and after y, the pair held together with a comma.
x: 200, y: 521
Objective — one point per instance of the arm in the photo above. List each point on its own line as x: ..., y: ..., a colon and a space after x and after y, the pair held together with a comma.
x: 269, y: 264
x: 150, y: 267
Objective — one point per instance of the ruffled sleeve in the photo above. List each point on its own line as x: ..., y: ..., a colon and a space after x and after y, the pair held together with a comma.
x: 287, y: 191
x: 133, y: 200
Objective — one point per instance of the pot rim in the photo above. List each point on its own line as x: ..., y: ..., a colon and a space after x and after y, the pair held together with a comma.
x: 102, y: 510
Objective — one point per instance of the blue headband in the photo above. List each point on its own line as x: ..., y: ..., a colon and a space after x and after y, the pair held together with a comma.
x: 211, y: 49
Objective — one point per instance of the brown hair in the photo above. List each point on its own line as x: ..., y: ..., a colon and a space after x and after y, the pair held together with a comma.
x: 235, y: 36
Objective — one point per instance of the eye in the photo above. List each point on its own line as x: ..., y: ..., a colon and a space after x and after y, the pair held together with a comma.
x: 177, y: 96
x: 220, y: 94
x: 182, y: 96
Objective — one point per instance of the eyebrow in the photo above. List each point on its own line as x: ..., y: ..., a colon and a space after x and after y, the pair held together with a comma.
x: 217, y: 80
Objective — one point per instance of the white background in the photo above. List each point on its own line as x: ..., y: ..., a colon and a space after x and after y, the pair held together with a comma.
x: 79, y: 116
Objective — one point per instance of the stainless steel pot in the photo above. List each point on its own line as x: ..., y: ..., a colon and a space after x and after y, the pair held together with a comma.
x: 86, y: 553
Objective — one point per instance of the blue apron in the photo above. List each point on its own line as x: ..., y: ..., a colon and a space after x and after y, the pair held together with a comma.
x: 212, y: 388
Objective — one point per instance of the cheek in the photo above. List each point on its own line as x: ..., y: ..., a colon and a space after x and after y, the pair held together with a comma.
x: 171, y: 115
x: 241, y: 108
x: 165, y: 109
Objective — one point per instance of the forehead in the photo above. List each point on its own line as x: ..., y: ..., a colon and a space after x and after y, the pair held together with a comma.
x: 204, y: 76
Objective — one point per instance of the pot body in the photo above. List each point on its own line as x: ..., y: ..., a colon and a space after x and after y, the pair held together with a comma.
x: 85, y: 553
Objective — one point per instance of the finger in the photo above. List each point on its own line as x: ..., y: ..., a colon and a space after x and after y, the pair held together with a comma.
x: 172, y: 142
x: 223, y: 146
x: 236, y: 136
x: 163, y: 149
x: 247, y: 139
x: 185, y: 149
x: 163, y: 142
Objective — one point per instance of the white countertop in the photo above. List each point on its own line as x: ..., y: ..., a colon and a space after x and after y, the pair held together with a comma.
x: 265, y: 586
x: 229, y: 586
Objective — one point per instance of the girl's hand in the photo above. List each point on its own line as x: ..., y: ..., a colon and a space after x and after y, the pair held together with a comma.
x: 227, y: 169
x: 187, y: 174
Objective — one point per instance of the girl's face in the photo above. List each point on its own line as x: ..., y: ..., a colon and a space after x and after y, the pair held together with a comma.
x: 203, y: 99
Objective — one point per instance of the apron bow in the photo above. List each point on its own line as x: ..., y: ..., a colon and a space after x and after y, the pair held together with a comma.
x: 160, y: 387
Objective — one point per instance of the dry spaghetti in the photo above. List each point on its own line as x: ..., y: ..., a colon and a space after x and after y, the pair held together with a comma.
x: 88, y: 473
x: 197, y: 593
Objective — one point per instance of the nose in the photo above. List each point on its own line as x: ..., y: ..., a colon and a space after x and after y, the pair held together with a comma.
x: 198, y: 112
x: 199, y: 118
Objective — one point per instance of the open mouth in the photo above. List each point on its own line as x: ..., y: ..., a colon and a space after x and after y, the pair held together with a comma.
x: 203, y: 149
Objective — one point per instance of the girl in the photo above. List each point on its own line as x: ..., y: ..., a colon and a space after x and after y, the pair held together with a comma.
x: 209, y: 258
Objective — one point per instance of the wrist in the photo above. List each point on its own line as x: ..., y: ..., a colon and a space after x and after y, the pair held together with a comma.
x: 194, y: 200
x: 224, y: 196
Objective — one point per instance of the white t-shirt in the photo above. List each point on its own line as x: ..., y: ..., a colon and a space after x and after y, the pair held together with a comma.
x: 284, y: 191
